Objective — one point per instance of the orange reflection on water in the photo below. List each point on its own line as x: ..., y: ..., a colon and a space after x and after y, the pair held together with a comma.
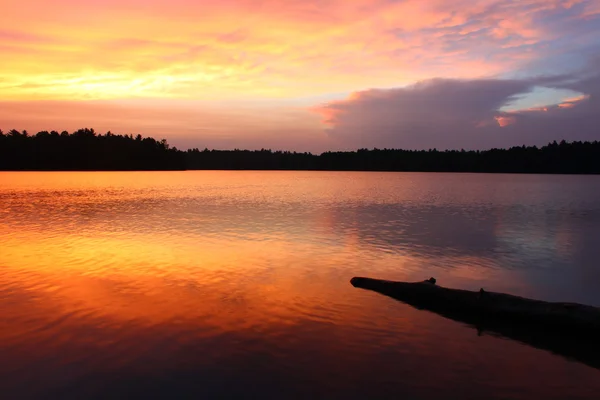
x: 153, y: 272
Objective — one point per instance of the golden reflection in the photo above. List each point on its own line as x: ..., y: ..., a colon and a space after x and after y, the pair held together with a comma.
x: 254, y: 262
x: 234, y: 282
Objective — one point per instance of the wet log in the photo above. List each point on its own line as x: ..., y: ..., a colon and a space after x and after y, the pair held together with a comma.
x: 567, y: 329
x: 428, y: 294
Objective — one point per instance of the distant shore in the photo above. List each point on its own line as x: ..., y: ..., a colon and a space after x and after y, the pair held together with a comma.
x: 85, y: 150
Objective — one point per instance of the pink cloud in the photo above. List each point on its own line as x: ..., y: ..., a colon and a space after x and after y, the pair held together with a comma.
x: 505, y: 120
x: 17, y: 36
x: 592, y: 9
x: 461, y: 114
x: 262, y: 48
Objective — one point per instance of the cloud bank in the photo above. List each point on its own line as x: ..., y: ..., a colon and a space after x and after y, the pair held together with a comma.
x: 454, y: 114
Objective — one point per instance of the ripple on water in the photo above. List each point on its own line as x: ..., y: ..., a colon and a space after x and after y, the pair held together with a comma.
x: 216, y: 284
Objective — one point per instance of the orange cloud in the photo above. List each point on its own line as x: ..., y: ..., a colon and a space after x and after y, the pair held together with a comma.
x: 505, y: 120
x: 573, y: 101
x: 566, y: 105
x: 70, y: 49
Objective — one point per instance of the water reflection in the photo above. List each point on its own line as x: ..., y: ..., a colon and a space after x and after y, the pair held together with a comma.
x: 180, y: 283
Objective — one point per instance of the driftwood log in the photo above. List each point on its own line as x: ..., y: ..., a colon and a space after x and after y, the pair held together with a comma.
x: 568, y: 329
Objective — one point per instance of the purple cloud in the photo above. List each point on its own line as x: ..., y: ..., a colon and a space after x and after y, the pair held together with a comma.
x: 444, y: 113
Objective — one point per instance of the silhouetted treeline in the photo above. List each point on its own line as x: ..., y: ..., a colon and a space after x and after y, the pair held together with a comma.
x: 87, y: 150
x: 568, y: 158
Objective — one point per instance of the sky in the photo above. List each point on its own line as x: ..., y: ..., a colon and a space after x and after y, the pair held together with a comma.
x: 305, y: 75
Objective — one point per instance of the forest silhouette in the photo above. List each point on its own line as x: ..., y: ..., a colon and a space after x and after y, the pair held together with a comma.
x: 87, y: 150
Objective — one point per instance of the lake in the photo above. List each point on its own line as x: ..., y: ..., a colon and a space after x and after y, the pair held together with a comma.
x: 214, y: 284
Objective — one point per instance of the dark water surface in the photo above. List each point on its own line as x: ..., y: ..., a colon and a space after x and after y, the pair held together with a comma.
x: 220, y: 284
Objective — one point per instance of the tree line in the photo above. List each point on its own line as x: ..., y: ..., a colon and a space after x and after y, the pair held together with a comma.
x: 85, y: 149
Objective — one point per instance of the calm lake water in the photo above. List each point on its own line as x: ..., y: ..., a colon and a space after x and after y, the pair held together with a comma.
x: 220, y: 284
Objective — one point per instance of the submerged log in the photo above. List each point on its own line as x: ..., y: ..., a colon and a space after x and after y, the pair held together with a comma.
x: 567, y: 329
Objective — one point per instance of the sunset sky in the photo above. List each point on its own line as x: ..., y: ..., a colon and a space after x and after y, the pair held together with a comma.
x: 305, y: 75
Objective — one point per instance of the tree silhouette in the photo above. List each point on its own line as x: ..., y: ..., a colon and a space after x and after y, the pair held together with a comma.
x: 85, y: 149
